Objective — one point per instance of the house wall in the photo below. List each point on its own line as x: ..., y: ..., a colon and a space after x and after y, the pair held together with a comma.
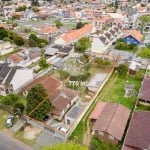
x: 131, y: 40
x: 5, y: 48
x: 60, y: 41
x: 21, y: 77
x: 105, y: 137
x: 97, y: 46
x: 2, y: 90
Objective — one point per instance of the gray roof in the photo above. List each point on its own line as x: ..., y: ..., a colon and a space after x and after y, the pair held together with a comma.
x: 59, y: 64
x: 4, y: 70
x: 12, y: 73
x: 74, y: 112
x: 7, y: 71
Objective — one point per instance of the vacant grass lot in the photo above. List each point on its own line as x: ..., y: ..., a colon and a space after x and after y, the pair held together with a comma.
x: 116, y: 93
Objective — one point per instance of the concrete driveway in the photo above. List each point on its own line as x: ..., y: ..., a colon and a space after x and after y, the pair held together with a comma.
x: 46, y: 139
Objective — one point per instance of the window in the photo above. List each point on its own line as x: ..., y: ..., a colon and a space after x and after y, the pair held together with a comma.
x: 110, y: 137
x: 101, y: 133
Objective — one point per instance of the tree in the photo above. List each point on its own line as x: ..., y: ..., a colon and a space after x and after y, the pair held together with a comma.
x: 18, y: 108
x: 10, y: 99
x: 36, y: 95
x: 18, y: 40
x: 3, y: 33
x: 122, y: 70
x: 144, y: 20
x: 82, y: 45
x: 80, y: 25
x: 67, y: 146
x: 58, y: 24
x: 43, y: 63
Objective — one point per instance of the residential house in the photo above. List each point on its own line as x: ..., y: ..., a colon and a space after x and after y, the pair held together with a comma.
x: 13, y: 78
x: 25, y: 58
x: 144, y: 93
x: 138, y: 137
x: 61, y: 98
x: 73, y: 36
x: 5, y: 47
x: 100, y: 43
x: 109, y: 121
x: 133, y: 37
x: 96, y: 81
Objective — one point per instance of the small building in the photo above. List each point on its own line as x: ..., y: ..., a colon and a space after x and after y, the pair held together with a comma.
x: 109, y: 121
x: 138, y: 134
x: 129, y: 90
x: 96, y: 81
x: 133, y: 37
x: 72, y: 114
x: 133, y: 67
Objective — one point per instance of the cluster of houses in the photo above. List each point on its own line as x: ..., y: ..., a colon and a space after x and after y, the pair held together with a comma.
x: 108, y: 120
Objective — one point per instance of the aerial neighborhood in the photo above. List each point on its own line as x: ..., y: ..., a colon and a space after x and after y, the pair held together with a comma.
x: 75, y: 75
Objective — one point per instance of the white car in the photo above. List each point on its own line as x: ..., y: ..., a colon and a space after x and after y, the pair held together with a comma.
x: 9, y: 122
x: 62, y: 129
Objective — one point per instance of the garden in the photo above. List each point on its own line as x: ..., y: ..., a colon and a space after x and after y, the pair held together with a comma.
x: 121, y: 45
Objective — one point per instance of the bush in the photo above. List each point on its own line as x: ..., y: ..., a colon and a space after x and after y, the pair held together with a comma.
x: 63, y: 74
x: 82, y: 77
x: 145, y: 52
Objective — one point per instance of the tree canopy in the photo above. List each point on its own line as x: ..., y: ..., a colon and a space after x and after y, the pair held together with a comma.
x: 82, y: 45
x: 58, y: 24
x: 67, y: 146
x: 34, y: 41
x: 36, y: 95
x: 80, y: 25
x: 122, y: 70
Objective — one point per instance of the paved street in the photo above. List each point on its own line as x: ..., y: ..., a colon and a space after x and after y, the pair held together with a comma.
x: 9, y: 143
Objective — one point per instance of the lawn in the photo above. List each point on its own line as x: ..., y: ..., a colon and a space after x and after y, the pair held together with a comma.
x: 3, y: 119
x: 116, y: 93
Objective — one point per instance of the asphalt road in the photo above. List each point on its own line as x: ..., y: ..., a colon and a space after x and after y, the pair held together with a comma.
x: 9, y: 143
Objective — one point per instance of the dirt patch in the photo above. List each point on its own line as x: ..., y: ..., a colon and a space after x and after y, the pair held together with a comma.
x: 31, y: 132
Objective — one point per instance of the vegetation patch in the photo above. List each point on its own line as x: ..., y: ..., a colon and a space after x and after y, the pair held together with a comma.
x: 145, y: 52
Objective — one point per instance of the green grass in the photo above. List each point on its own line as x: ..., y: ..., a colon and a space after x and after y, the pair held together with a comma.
x: 20, y: 136
x: 143, y: 107
x: 116, y: 92
x: 78, y: 133
x: 3, y: 118
x: 97, y: 144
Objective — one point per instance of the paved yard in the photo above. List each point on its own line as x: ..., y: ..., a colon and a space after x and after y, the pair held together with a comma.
x: 46, y: 139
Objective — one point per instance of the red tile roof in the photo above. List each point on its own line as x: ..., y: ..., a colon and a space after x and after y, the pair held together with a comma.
x: 136, y: 34
x: 51, y: 85
x: 138, y: 134
x: 76, y: 34
x: 112, y: 119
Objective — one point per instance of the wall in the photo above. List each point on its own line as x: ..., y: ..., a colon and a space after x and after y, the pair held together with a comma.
x: 105, y: 137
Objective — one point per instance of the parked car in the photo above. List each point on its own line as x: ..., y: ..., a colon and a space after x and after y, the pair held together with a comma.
x: 9, y: 121
x: 62, y: 129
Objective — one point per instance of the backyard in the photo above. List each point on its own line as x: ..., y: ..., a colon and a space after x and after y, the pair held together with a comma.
x: 113, y: 91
